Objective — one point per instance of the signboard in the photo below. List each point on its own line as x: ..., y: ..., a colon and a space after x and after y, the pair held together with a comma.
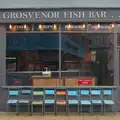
x: 100, y: 27
x: 58, y: 15
x: 74, y: 27
x: 86, y: 81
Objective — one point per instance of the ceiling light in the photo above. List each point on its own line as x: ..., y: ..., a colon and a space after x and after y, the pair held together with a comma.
x: 69, y: 26
x: 113, y: 25
x: 54, y: 26
x: 98, y: 25
x: 40, y: 26
x: 25, y: 26
x: 10, y: 26
x: 83, y: 25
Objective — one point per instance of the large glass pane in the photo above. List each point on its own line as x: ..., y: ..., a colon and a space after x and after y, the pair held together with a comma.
x: 33, y: 57
x: 87, y: 55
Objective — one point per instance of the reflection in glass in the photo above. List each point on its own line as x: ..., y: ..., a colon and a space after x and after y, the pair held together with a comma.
x: 88, y: 56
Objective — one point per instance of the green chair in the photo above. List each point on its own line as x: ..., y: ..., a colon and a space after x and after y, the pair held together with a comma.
x: 37, y: 102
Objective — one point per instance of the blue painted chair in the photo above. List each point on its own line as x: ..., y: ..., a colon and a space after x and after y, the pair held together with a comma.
x: 49, y: 101
x: 108, y: 93
x: 85, y: 102
x: 73, y: 102
x: 97, y: 101
x: 12, y: 99
x: 49, y: 92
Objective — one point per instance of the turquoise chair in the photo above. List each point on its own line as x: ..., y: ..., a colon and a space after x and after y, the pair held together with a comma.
x: 49, y: 92
x: 97, y: 94
x: 72, y: 102
x: 49, y: 101
x: 85, y: 102
x: 12, y: 99
x: 108, y: 93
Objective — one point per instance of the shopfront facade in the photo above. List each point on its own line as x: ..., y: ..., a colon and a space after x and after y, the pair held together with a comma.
x: 87, y: 22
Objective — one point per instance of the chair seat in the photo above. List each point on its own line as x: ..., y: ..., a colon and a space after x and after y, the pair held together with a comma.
x: 37, y: 102
x: 96, y: 102
x: 38, y: 93
x: 12, y: 101
x: 23, y: 101
x: 108, y: 102
x: 72, y: 93
x: 61, y: 102
x: 49, y: 92
x: 72, y: 102
x: 85, y: 102
x: 49, y: 101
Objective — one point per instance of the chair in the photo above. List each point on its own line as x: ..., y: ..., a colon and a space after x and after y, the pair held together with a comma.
x: 71, y: 101
x: 25, y: 99
x: 12, y: 99
x: 61, y: 103
x: 108, y: 93
x: 97, y: 100
x: 49, y: 100
x: 36, y: 101
x: 85, y: 102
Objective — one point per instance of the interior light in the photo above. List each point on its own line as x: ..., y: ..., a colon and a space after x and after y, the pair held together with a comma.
x: 98, y: 25
x: 10, y: 26
x: 69, y: 26
x: 83, y: 25
x: 40, y: 26
x: 113, y: 25
x: 25, y: 26
x: 54, y: 26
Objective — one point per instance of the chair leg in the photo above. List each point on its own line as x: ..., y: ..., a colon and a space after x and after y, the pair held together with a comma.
x: 42, y: 110
x: 90, y: 109
x: 54, y: 110
x: 68, y: 109
x: 101, y: 108
x: 31, y: 109
x: 104, y: 109
x: 78, y: 109
x: 7, y: 108
x: 114, y: 109
x: 17, y: 107
x: 81, y: 110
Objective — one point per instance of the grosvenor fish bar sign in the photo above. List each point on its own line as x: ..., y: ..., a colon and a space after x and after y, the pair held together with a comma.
x: 55, y: 15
